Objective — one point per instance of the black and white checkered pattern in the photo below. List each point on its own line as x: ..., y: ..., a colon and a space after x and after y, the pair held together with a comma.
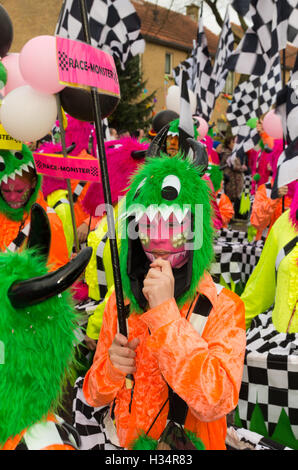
x: 203, y: 67
x: 188, y: 66
x: 255, y: 96
x: 114, y: 26
x: 101, y: 275
x: 243, y: 439
x: 248, y: 57
x: 20, y: 238
x: 235, y: 256
x: 78, y: 190
x: 93, y: 425
x: 287, y: 105
x: 270, y: 376
x: 287, y: 168
x: 224, y: 50
x: 41, y: 435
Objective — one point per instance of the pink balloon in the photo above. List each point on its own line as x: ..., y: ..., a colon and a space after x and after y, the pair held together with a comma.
x: 14, y: 77
x: 38, y: 64
x: 203, y: 127
x: 272, y: 125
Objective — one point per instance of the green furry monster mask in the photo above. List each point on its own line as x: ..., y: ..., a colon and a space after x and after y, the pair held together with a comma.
x: 37, y: 329
x: 150, y: 192
x: 12, y: 164
x: 174, y: 128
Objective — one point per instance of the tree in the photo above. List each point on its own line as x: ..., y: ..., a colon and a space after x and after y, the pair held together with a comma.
x: 134, y: 110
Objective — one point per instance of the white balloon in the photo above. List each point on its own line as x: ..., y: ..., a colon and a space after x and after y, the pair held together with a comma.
x: 173, y: 99
x: 27, y: 114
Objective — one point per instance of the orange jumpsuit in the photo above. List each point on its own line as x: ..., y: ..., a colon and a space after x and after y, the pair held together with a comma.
x: 58, y: 255
x: 265, y: 211
x: 205, y: 371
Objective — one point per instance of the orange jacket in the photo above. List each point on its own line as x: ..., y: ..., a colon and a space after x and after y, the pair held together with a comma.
x: 205, y: 371
x: 58, y: 255
x: 265, y: 211
x: 226, y: 209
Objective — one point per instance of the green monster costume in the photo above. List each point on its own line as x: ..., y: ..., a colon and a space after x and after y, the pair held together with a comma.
x: 37, y: 336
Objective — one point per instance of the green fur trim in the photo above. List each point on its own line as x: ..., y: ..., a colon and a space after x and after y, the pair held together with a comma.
x: 144, y: 442
x: 216, y: 176
x: 197, y: 442
x: 251, y: 233
x: 256, y: 177
x: 38, y: 348
x: 3, y: 76
x: 13, y: 165
x: 174, y: 128
x: 194, y: 194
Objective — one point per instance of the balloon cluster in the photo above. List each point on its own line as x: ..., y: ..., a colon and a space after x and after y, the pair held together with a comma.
x: 173, y: 104
x: 29, y: 108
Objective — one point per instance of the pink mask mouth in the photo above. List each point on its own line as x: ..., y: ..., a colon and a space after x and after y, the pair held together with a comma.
x: 16, y: 192
x: 165, y: 239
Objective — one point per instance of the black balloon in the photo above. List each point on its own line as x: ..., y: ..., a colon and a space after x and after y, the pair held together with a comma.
x: 162, y: 118
x: 6, y: 32
x: 78, y: 103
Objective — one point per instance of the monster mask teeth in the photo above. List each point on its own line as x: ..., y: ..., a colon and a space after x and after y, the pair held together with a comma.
x: 4, y: 179
x: 24, y: 167
x: 12, y: 176
x: 180, y: 214
x: 19, y: 172
x: 151, y: 211
x: 31, y: 164
x: 165, y: 211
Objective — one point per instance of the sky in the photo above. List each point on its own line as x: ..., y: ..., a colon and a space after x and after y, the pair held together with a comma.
x: 208, y: 17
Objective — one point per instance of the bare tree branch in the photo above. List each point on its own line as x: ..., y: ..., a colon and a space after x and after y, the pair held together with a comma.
x: 214, y: 9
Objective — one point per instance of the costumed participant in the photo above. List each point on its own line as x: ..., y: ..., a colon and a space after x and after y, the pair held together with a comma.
x: 234, y: 174
x: 55, y: 189
x: 213, y: 156
x: 186, y: 338
x: 268, y: 397
x: 123, y: 159
x: 223, y: 202
x: 37, y: 333
x: 265, y: 210
x: 19, y: 189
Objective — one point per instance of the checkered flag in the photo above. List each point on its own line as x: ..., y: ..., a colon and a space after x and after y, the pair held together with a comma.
x: 185, y: 120
x: 287, y: 168
x: 241, y: 6
x: 251, y: 99
x: 287, y: 105
x: 224, y: 50
x: 203, y: 68
x: 187, y: 66
x: 114, y: 26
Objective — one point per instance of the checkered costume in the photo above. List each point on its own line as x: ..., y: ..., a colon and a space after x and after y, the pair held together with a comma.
x: 270, y: 376
x: 92, y: 424
x: 235, y: 256
x: 114, y: 26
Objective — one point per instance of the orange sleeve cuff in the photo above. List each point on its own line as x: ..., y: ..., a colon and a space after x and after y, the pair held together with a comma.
x: 161, y: 315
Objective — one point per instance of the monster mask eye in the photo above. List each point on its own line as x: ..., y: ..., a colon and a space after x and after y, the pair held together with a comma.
x: 139, y: 188
x: 18, y: 155
x: 2, y: 164
x: 170, y: 188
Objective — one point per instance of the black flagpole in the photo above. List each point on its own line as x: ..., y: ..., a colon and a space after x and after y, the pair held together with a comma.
x: 107, y: 192
x: 284, y: 84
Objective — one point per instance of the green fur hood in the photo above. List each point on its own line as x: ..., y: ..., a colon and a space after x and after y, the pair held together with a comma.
x: 149, y: 193
x: 12, y: 164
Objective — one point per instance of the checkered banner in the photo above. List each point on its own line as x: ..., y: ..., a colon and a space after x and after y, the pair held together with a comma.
x: 114, y: 26
x: 235, y: 256
x: 188, y: 66
x: 270, y: 376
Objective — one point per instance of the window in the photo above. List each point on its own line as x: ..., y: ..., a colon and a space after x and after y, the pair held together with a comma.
x: 229, y: 85
x: 168, y: 63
